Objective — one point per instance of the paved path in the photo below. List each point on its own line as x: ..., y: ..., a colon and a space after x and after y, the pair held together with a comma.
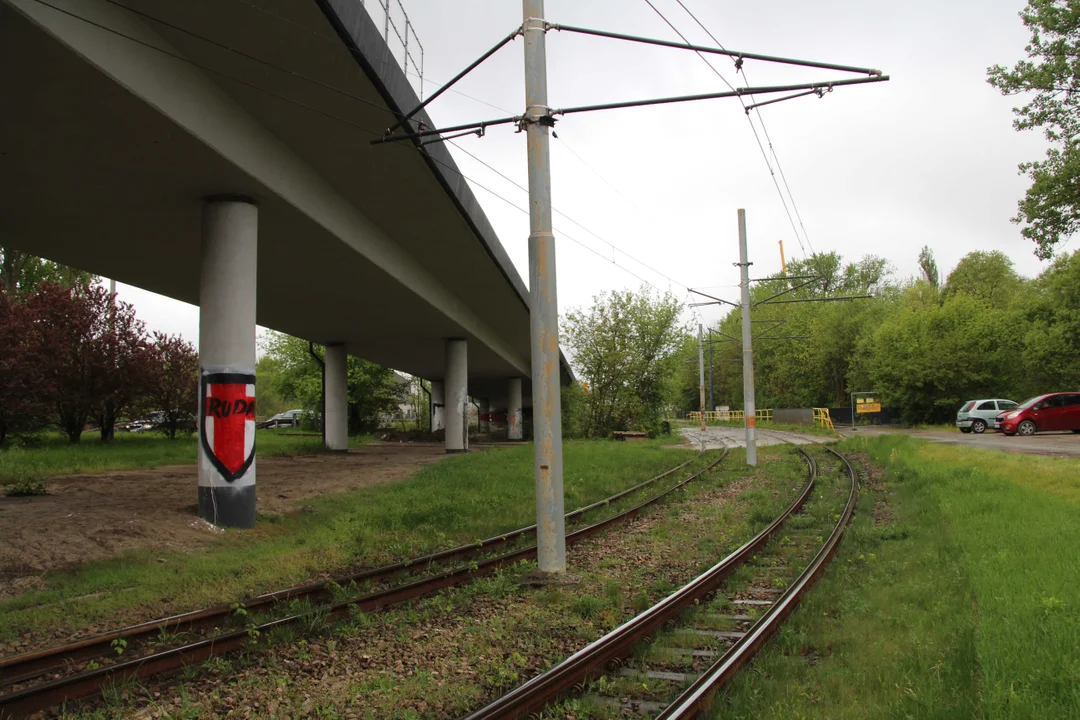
x: 716, y: 438
x: 1059, y: 444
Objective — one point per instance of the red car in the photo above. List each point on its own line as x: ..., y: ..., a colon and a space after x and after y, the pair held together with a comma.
x: 1056, y: 411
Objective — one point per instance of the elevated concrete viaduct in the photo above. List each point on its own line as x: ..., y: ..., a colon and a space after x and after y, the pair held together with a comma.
x: 217, y: 152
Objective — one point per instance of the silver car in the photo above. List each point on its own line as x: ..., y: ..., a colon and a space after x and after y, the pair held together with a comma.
x: 977, y: 415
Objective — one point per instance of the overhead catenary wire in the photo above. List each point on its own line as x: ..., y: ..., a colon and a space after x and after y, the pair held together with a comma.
x: 757, y: 138
x: 757, y: 109
x: 332, y: 116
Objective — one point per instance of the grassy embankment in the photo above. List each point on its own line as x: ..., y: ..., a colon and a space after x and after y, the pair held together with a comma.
x: 955, y: 594
x: 52, y: 454
x: 458, y: 500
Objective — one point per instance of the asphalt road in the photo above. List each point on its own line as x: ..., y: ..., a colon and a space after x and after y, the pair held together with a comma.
x: 1060, y: 444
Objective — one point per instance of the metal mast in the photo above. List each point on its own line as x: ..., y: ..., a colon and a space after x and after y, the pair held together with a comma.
x: 547, y: 406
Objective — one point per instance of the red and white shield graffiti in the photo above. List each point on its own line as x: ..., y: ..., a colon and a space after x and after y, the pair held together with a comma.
x: 227, y: 430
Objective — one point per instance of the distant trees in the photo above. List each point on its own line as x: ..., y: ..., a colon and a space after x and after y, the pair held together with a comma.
x: 986, y: 332
x: 173, y: 384
x: 1050, y: 77
x: 625, y: 347
x: 289, y: 370
x: 72, y: 354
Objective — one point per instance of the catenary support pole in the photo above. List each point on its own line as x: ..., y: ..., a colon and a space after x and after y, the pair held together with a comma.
x: 701, y: 376
x: 544, y: 313
x: 336, y: 403
x: 514, y: 419
x: 227, y: 362
x: 749, y: 411
x: 712, y: 403
x: 438, y: 406
x: 457, y: 396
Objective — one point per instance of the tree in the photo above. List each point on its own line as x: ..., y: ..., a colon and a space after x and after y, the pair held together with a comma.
x: 98, y: 355
x: 928, y: 267
x: 625, y: 346
x: 292, y: 372
x: 986, y: 276
x: 24, y: 390
x: 1050, y: 209
x: 174, y: 385
x: 22, y: 272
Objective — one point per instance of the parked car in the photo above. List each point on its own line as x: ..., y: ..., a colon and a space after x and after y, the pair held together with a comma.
x: 289, y: 418
x: 1055, y: 411
x: 977, y: 415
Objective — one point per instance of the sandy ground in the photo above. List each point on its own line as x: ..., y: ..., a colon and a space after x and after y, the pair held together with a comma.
x: 1059, y: 444
x: 91, y: 517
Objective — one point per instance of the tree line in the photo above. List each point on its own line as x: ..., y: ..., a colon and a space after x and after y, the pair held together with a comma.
x: 924, y: 345
x: 71, y: 354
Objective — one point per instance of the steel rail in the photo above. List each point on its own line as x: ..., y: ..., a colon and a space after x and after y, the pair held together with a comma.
x: 25, y: 667
x: 590, y: 661
x: 89, y: 683
x: 697, y: 698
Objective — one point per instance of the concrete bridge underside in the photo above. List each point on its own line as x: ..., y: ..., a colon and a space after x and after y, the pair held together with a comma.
x: 121, y: 118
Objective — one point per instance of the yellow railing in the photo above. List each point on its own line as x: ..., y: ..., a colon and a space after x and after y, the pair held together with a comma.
x: 763, y: 415
x: 822, y: 417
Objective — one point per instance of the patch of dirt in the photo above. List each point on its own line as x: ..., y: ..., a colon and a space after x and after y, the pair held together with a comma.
x: 412, y: 436
x: 92, y: 517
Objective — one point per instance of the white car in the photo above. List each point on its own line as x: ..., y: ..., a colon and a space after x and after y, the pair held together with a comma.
x: 977, y: 415
x: 289, y: 418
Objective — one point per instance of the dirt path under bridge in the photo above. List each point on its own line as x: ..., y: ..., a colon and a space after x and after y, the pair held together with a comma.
x: 96, y: 516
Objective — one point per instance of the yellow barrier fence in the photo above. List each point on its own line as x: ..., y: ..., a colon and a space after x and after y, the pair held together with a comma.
x: 822, y: 418
x: 762, y: 415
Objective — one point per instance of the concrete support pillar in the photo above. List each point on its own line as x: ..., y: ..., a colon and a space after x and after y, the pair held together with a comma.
x: 457, y: 396
x: 513, y: 410
x: 483, y: 409
x: 337, y: 398
x: 438, y: 405
x: 227, y: 363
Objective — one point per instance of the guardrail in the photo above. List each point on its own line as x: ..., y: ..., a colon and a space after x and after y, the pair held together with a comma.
x: 822, y: 417
x: 762, y: 415
x: 383, y: 12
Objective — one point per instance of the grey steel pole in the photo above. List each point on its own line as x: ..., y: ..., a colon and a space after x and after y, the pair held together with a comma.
x: 749, y: 411
x: 701, y: 375
x: 712, y: 403
x: 544, y: 313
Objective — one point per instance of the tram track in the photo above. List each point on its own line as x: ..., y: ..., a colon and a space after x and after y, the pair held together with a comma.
x: 75, y: 662
x: 747, y: 618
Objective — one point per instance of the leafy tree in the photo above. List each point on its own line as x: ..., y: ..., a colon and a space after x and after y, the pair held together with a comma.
x: 1050, y: 323
x: 25, y: 392
x: 293, y: 373
x: 625, y: 346
x: 99, y: 359
x: 174, y: 384
x: 1050, y: 76
x: 928, y: 267
x: 22, y: 272
x: 986, y: 276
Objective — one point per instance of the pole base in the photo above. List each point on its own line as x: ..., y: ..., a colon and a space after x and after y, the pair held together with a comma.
x: 538, y: 578
x: 228, y: 507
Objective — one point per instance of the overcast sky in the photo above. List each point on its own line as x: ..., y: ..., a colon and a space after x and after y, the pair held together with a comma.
x: 928, y: 158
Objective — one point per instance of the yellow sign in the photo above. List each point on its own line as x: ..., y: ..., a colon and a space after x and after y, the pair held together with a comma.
x: 862, y: 407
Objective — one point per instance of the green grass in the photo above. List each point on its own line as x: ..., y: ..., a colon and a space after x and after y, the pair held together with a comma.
x: 52, y: 454
x: 460, y: 499
x: 955, y: 594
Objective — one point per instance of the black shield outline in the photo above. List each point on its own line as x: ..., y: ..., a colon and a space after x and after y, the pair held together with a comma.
x: 224, y: 379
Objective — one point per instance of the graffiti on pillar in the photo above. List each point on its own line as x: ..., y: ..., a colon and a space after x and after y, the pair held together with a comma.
x: 227, y: 430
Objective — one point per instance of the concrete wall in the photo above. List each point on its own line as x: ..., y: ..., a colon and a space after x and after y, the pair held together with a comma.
x: 794, y: 416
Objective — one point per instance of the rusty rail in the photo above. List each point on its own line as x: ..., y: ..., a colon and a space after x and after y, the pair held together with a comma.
x: 24, y: 667
x: 588, y: 663
x: 697, y: 698
x: 89, y: 683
